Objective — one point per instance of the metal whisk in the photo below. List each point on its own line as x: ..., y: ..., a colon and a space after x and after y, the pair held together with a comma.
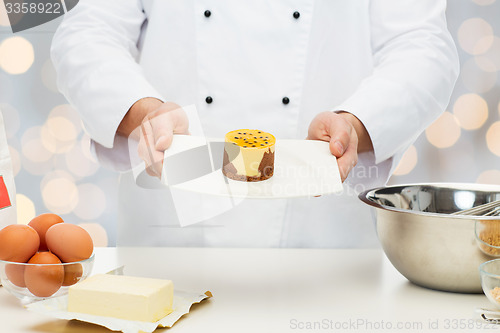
x: 488, y: 209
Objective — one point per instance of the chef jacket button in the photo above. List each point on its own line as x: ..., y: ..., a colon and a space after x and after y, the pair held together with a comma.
x: 285, y: 100
x: 207, y: 13
x: 296, y: 15
x: 209, y: 100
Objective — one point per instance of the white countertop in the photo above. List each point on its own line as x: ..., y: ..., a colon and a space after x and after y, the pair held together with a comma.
x: 279, y: 290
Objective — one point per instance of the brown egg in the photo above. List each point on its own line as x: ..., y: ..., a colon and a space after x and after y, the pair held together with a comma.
x: 15, y: 274
x: 69, y: 242
x: 72, y: 274
x: 41, y: 224
x: 18, y: 242
x: 44, y: 281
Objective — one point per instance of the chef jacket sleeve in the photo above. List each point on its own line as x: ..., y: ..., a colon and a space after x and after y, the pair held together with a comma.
x: 94, y: 52
x: 415, y: 69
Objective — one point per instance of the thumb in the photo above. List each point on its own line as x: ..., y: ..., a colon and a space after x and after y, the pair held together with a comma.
x: 337, y: 148
x: 164, y: 137
x: 166, y: 125
x: 340, y: 137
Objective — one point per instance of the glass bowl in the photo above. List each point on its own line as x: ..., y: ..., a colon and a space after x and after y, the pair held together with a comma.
x: 490, y: 280
x: 488, y: 237
x: 44, y: 279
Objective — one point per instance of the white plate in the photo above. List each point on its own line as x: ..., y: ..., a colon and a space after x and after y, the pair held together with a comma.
x: 303, y: 168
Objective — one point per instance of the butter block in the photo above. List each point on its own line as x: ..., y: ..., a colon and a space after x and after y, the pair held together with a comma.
x: 124, y: 297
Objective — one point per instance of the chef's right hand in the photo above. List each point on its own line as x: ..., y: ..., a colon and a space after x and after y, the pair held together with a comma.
x: 159, y: 122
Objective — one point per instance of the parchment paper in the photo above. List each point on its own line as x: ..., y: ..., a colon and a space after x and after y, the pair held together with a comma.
x: 57, y: 308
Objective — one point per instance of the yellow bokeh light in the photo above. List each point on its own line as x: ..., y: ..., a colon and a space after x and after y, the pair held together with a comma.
x: 25, y: 209
x: 35, y: 151
x: 484, y: 2
x: 408, y: 162
x: 444, y: 132
x: 61, y: 129
x: 475, y: 35
x: 68, y: 112
x: 32, y: 146
x: 485, y: 64
x: 489, y: 177
x: 92, y: 202
x: 97, y: 233
x: 55, y: 129
x: 491, y: 58
x: 471, y: 111
x: 79, y: 164
x: 16, y: 55
x: 483, y: 44
x: 59, y: 192
x: 493, y: 138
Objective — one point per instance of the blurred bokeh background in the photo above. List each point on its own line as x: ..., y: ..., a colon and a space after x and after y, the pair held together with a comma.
x: 55, y: 172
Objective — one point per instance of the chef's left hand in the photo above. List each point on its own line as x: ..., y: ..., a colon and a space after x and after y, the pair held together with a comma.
x: 345, y: 133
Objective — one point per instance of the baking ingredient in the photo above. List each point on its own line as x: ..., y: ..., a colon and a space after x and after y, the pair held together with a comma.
x: 41, y: 224
x: 72, y: 274
x: 44, y: 281
x: 495, y: 293
x: 18, y: 242
x: 490, y: 234
x: 69, y: 242
x: 125, y: 297
x: 15, y: 274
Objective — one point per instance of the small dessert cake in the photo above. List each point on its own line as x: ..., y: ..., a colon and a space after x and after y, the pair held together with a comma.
x: 248, y: 155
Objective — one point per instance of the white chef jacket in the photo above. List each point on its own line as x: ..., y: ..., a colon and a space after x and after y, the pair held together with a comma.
x: 8, y: 213
x: 393, y: 64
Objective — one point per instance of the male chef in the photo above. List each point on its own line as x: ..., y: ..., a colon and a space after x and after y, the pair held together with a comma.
x: 367, y: 76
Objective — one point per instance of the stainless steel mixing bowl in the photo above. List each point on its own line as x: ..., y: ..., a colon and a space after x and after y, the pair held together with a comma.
x: 426, y: 244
